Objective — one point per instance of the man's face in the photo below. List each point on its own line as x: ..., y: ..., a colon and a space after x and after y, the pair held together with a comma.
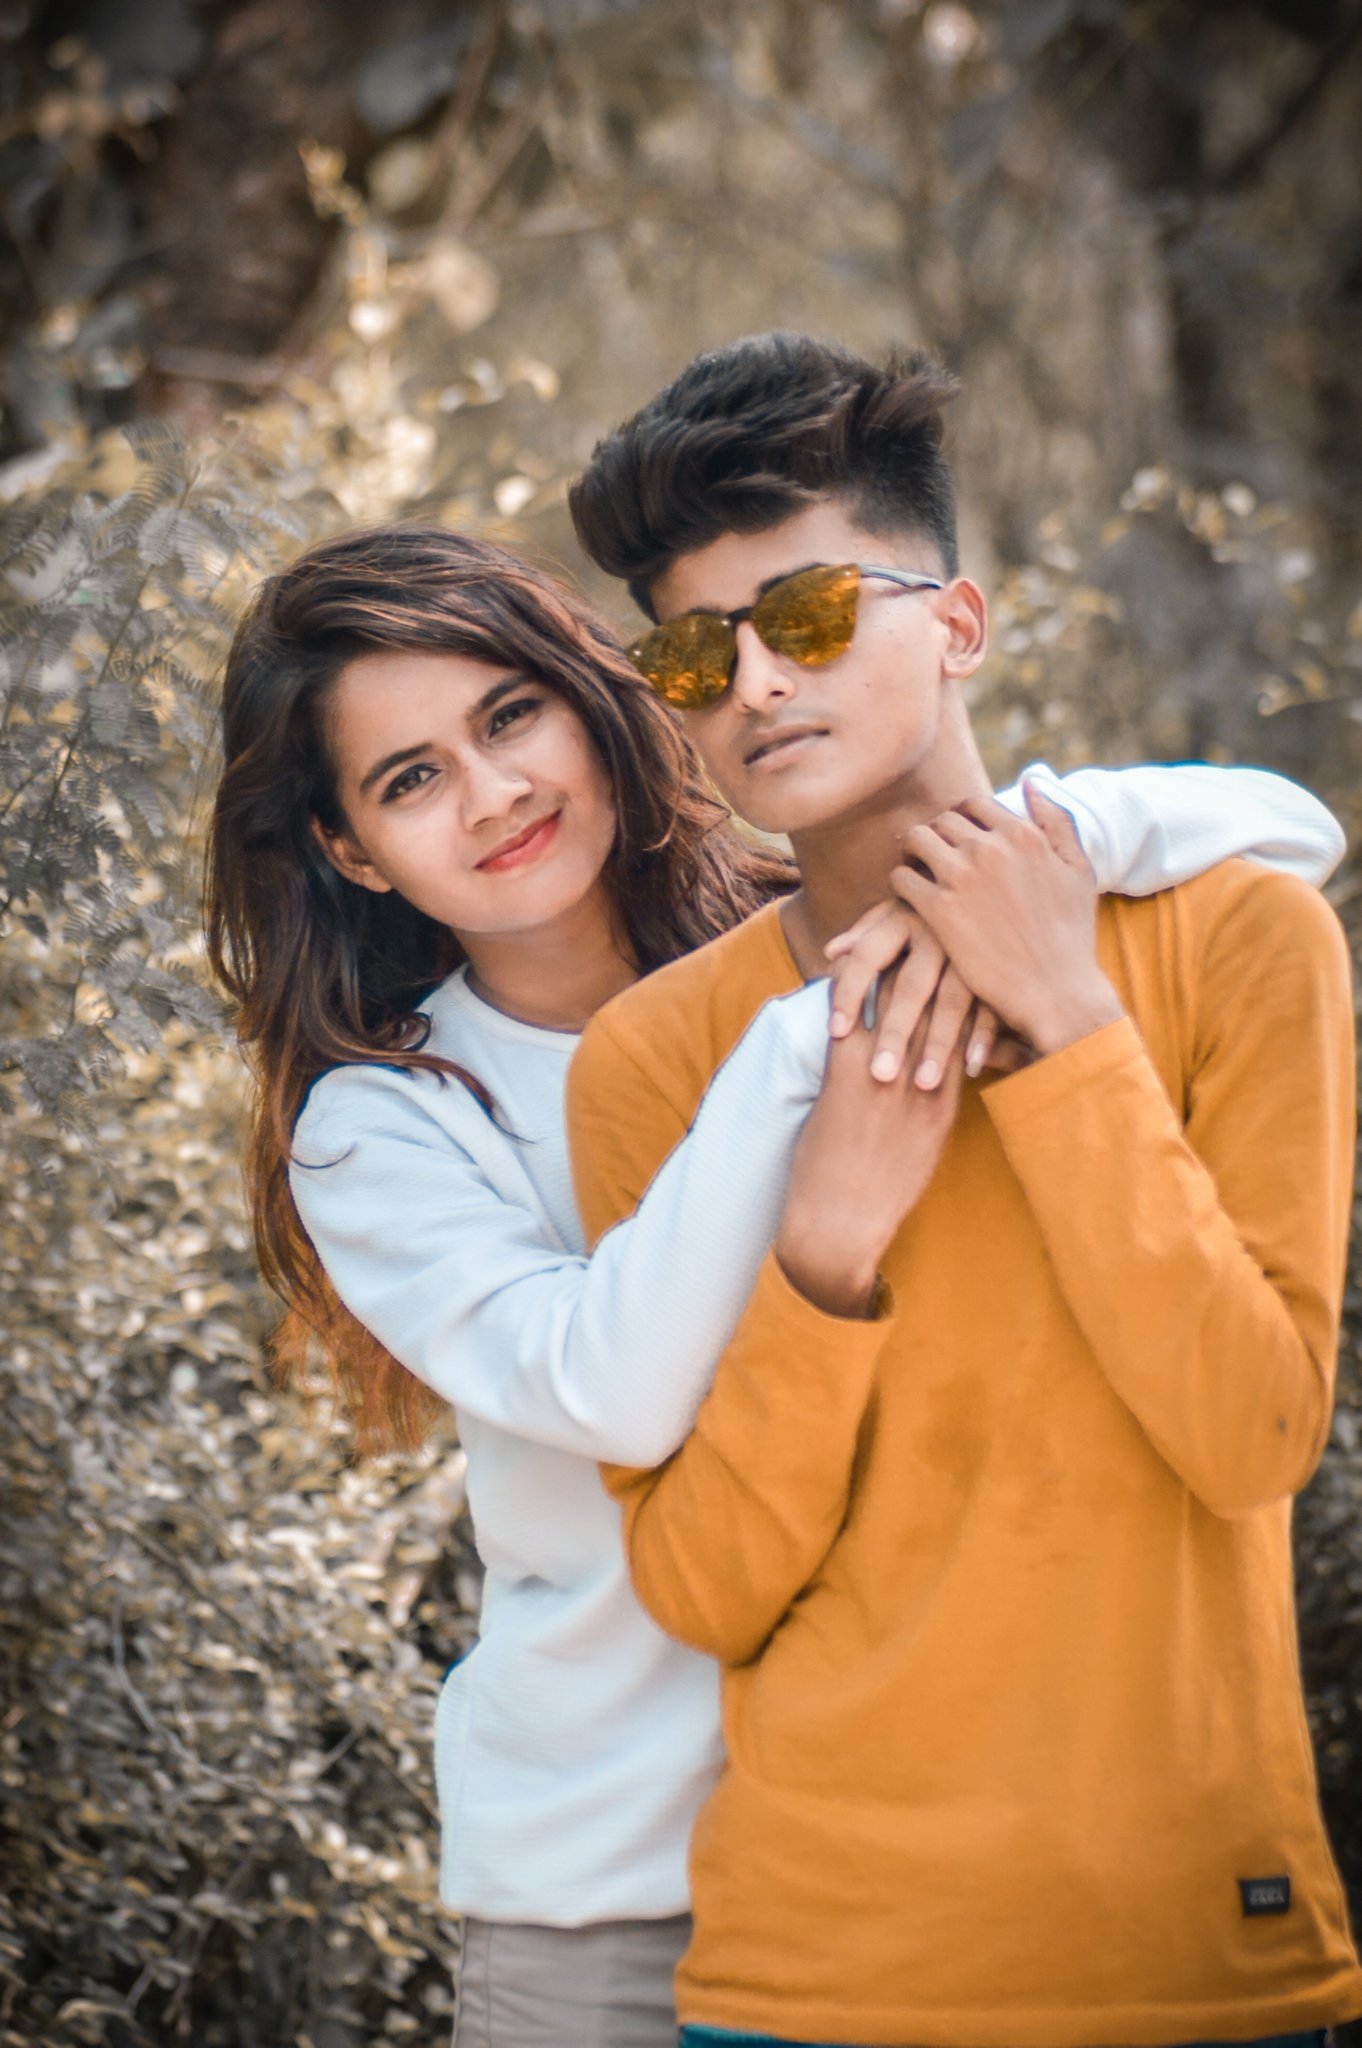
x: 792, y: 748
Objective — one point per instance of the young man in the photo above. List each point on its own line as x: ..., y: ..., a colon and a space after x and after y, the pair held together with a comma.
x: 1017, y: 1755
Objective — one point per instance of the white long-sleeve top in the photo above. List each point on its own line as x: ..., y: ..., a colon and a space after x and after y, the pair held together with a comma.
x: 574, y: 1745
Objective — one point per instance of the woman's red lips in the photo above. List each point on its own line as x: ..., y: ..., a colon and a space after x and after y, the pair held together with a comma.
x: 526, y: 846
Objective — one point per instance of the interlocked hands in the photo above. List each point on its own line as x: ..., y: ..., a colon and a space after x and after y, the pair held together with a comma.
x: 989, y: 937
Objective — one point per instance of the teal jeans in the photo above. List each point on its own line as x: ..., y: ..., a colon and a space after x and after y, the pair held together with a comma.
x: 720, y: 2037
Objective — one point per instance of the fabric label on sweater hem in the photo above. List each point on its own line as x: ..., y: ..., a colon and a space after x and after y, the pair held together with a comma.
x: 1262, y: 1895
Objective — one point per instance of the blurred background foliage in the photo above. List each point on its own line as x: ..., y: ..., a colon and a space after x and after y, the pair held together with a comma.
x: 267, y: 269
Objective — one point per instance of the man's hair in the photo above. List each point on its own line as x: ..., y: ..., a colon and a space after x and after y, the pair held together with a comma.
x: 750, y: 433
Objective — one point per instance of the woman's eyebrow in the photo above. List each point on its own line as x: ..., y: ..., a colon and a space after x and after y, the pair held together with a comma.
x: 499, y: 689
x: 502, y: 687
x: 380, y: 768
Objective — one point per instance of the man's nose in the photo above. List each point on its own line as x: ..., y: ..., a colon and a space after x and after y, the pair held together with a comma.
x: 760, y: 678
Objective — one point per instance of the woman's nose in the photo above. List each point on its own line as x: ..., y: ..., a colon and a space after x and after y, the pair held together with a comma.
x: 491, y: 788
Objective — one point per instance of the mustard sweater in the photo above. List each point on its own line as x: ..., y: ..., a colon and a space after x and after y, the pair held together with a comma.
x: 1001, y: 1584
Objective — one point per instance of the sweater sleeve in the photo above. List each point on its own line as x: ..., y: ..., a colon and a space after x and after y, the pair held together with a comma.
x: 724, y: 1534
x: 1147, y: 828
x: 606, y: 1357
x: 1201, y: 1248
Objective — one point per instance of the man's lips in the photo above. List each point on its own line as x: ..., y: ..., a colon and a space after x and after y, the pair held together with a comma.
x: 772, y: 744
x: 525, y: 847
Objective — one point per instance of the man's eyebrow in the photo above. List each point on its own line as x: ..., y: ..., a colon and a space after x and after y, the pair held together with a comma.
x: 771, y: 581
x: 711, y: 611
x: 489, y: 698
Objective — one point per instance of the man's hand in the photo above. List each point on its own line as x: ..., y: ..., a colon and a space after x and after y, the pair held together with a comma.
x: 1013, y: 903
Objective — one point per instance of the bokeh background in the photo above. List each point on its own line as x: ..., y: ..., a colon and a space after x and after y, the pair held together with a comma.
x: 272, y: 267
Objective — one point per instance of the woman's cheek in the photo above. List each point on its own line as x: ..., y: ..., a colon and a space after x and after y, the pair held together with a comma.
x: 601, y: 796
x: 434, y: 865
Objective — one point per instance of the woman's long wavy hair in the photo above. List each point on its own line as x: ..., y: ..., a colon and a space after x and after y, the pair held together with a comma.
x: 324, y: 972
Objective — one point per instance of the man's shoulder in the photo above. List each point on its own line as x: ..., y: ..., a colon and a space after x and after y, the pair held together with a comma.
x: 677, y: 1024
x: 1241, y: 902
x: 703, y: 990
x: 1241, y: 947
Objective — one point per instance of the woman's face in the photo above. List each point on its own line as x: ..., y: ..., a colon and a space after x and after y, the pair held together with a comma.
x: 473, y: 790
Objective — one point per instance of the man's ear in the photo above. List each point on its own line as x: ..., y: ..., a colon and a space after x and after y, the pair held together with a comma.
x: 963, y: 610
x: 347, y: 859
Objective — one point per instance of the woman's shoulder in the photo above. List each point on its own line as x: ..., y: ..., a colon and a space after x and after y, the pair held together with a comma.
x: 363, y: 1098
x: 357, y: 1093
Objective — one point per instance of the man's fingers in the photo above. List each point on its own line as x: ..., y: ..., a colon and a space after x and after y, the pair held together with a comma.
x: 905, y: 1006
x: 1057, y: 827
x: 992, y: 816
x: 931, y: 850
x: 913, y: 888
x: 956, y: 828
x: 945, y: 1029
x: 1010, y: 1054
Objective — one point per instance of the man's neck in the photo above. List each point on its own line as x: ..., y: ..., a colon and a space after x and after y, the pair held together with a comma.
x: 557, y: 975
x: 844, y: 865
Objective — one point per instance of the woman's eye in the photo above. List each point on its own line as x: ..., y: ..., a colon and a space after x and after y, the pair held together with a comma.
x: 410, y: 778
x: 511, y: 714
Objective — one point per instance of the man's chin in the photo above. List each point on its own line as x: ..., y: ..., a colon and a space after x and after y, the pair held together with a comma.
x: 792, y: 803
x: 811, y: 799
x: 789, y: 817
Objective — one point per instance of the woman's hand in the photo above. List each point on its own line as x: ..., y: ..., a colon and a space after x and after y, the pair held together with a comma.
x: 866, y: 1155
x: 925, y: 988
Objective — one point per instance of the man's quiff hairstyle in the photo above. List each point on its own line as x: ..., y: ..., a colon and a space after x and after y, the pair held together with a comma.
x: 749, y: 434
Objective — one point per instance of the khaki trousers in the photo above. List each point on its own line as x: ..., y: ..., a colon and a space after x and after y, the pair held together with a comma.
x: 605, y: 1986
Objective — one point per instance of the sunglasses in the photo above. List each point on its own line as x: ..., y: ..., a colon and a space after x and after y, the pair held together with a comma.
x: 810, y: 616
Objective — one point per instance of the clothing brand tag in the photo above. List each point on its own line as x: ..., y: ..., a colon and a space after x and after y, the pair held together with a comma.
x: 1260, y: 1895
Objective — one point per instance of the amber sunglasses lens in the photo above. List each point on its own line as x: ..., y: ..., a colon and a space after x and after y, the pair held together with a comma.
x: 811, y: 616
x: 689, y: 660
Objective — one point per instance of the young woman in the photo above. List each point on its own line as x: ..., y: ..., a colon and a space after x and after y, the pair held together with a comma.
x: 452, y: 821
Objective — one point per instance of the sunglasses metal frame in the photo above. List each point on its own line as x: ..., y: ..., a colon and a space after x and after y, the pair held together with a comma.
x: 908, y: 579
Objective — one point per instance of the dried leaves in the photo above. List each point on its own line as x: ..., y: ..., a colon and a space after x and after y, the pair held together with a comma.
x: 222, y: 1645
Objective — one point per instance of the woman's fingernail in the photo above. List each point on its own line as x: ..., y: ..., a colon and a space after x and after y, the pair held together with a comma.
x: 974, y: 1062
x: 884, y: 1066
x: 838, y: 1025
x: 928, y: 1074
